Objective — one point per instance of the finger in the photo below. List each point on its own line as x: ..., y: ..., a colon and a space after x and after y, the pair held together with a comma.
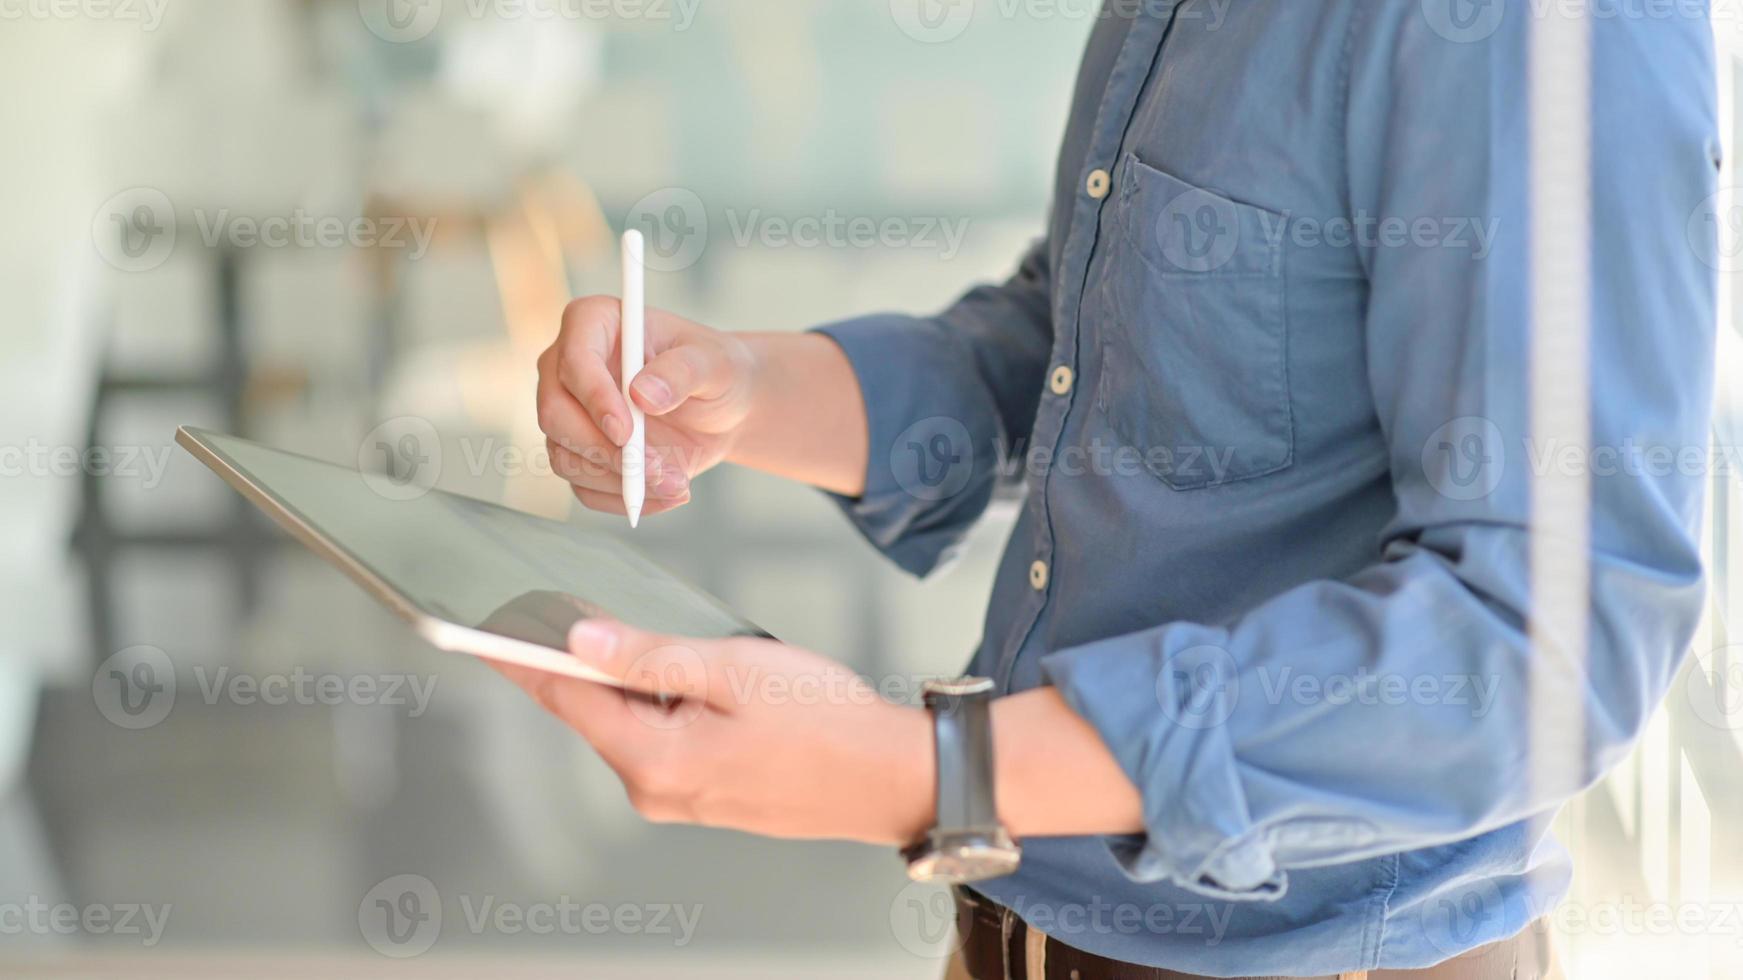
x: 600, y: 467
x: 669, y: 466
x: 663, y: 666
x: 562, y: 417
x: 582, y: 464
x: 583, y: 364
x: 680, y: 374
x: 544, y: 687
x: 525, y: 678
x: 581, y: 476
x: 603, y: 715
x: 611, y: 502
x: 549, y: 690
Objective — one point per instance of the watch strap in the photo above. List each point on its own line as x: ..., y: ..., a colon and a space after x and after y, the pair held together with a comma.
x: 962, y: 725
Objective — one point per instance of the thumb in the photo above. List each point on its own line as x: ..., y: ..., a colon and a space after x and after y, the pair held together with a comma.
x: 647, y: 663
x: 677, y: 375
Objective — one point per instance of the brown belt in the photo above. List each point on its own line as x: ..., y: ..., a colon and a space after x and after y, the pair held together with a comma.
x: 997, y: 945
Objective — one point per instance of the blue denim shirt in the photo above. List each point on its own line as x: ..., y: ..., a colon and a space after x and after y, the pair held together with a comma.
x: 1264, y: 387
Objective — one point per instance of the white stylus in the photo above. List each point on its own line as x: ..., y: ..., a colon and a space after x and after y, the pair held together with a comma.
x: 633, y: 342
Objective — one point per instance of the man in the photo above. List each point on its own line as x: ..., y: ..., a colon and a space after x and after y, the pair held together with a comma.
x: 1266, y: 377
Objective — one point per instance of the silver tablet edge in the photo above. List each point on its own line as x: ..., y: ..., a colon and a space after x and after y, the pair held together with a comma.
x: 438, y: 632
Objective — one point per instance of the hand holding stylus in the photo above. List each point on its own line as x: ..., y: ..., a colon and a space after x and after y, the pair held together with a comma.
x: 694, y: 390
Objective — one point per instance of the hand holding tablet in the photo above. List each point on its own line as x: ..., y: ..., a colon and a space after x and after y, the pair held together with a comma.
x: 681, y: 693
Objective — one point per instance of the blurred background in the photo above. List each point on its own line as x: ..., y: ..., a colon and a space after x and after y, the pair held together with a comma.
x: 331, y: 224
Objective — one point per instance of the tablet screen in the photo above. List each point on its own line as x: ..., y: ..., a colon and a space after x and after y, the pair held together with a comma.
x: 473, y: 563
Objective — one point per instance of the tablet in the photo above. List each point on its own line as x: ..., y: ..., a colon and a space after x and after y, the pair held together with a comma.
x: 470, y: 577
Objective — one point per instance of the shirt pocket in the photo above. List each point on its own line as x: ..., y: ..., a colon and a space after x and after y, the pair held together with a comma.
x: 1195, y: 357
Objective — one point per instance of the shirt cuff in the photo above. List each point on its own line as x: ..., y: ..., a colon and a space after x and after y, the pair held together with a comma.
x: 1164, y: 719
x: 931, y: 464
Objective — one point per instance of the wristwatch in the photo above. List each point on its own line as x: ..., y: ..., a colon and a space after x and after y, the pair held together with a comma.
x: 966, y: 843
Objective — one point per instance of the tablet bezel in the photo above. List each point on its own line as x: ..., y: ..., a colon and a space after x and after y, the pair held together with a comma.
x: 438, y: 632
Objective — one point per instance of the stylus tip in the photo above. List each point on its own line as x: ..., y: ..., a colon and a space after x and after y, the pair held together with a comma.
x: 635, y: 518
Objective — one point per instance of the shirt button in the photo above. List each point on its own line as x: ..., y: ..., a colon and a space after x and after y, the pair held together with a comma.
x: 1099, y: 182
x: 1038, y: 575
x: 1061, y: 380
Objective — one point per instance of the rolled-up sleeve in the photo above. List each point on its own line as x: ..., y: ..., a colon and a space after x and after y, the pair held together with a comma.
x: 1241, y: 778
x: 949, y: 401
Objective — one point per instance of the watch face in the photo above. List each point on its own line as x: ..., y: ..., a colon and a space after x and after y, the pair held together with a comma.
x: 962, y: 860
x: 958, y: 687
